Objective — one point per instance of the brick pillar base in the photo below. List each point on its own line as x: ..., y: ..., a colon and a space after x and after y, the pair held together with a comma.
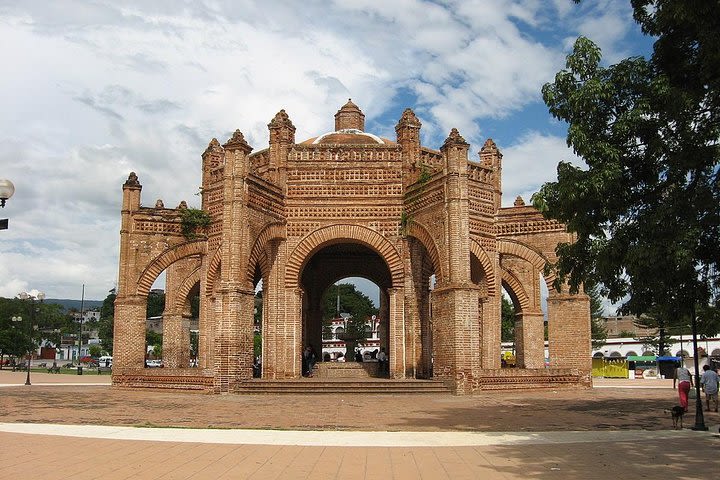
x: 569, y: 331
x: 129, y: 334
x: 234, y: 340
x: 456, y: 337
x: 530, y: 340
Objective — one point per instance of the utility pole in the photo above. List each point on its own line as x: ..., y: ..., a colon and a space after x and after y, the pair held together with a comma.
x: 82, y: 312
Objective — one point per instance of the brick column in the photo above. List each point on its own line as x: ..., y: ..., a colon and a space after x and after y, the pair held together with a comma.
x: 234, y: 338
x: 490, y: 313
x: 208, y: 327
x: 425, y: 364
x: 457, y: 345
x: 396, y: 341
x: 129, y: 334
x: 413, y: 280
x: 530, y: 340
x: 172, y: 337
x: 569, y: 331
x: 176, y: 340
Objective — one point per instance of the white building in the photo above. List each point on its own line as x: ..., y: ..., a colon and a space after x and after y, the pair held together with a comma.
x: 335, y: 348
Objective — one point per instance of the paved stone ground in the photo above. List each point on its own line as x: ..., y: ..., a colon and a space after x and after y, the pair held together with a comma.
x: 551, y: 410
x: 635, y: 442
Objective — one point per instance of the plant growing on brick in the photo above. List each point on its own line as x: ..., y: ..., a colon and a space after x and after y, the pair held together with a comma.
x: 193, y: 219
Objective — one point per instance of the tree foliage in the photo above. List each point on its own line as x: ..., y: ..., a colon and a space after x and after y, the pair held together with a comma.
x: 353, y: 302
x: 192, y: 220
x: 598, y: 331
x: 507, y: 332
x: 41, y: 322
x: 106, y: 324
x: 646, y: 210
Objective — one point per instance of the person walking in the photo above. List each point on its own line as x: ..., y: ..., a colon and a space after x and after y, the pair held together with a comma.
x: 684, y: 383
x: 709, y: 382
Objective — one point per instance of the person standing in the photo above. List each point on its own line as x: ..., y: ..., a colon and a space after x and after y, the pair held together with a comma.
x: 308, y: 361
x: 709, y: 382
x: 382, y: 361
x: 684, y: 382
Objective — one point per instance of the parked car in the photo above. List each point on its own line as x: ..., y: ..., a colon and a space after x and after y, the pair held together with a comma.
x: 87, y: 361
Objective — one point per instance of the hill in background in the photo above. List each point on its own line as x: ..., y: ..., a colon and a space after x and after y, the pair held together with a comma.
x: 68, y: 304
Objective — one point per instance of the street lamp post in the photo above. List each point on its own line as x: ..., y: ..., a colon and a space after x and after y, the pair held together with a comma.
x: 40, y: 296
x: 699, y: 418
x: 16, y: 319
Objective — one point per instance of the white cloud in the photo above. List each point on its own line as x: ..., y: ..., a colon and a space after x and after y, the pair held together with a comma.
x: 530, y: 162
x: 98, y: 90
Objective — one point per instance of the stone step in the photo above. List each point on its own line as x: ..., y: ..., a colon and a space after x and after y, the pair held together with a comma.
x: 353, y: 386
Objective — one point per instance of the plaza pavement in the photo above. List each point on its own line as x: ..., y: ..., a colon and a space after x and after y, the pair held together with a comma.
x: 560, y: 435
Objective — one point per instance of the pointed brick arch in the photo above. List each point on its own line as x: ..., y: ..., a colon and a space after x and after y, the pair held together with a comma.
x: 164, y: 260
x: 338, y: 234
x: 213, y: 272
x: 419, y: 232
x: 515, y: 288
x: 258, y: 254
x: 185, y: 288
x: 537, y: 260
x: 487, y: 265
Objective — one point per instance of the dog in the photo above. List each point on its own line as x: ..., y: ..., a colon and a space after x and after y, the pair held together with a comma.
x: 676, y: 413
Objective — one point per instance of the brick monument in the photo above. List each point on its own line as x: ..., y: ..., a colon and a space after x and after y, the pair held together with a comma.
x: 424, y: 225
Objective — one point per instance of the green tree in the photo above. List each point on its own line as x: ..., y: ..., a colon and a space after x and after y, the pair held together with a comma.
x: 106, y: 324
x: 352, y: 302
x: 154, y: 339
x: 646, y: 210
x: 41, y: 322
x: 95, y: 350
x: 194, y: 344
x: 598, y: 331
x: 155, y: 304
x: 508, y: 321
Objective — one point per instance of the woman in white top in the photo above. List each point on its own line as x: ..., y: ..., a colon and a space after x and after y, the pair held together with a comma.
x: 684, y: 382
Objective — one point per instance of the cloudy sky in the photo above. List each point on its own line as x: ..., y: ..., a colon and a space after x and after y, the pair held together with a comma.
x: 92, y: 90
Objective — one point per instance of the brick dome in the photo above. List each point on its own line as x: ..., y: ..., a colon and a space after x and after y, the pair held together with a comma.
x: 348, y: 137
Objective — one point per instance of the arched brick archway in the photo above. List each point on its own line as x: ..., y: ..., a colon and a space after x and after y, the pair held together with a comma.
x: 516, y: 289
x: 164, y: 260
x: 213, y: 272
x: 258, y: 254
x: 339, y: 234
x: 487, y: 265
x: 185, y: 289
x: 419, y: 232
x: 519, y: 249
